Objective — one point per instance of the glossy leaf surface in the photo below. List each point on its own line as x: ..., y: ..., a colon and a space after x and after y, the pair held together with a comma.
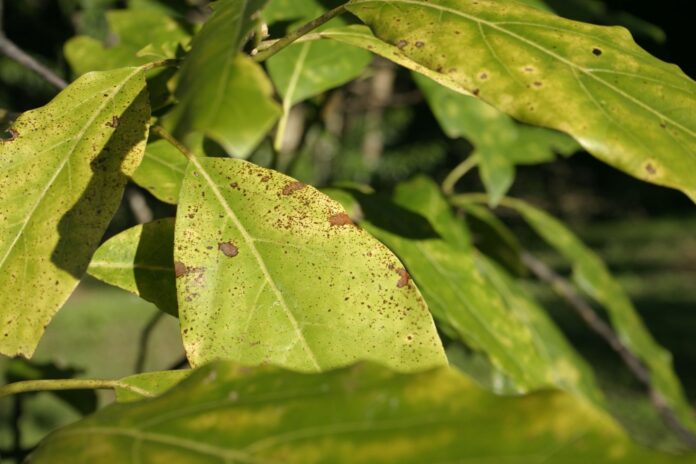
x: 161, y: 171
x: 624, y: 106
x: 221, y: 92
x: 272, y: 271
x: 63, y: 174
x: 365, y: 413
x: 482, y: 309
x: 140, y: 260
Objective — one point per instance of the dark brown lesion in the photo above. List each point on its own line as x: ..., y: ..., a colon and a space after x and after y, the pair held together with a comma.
x: 340, y: 219
x: 115, y: 121
x: 180, y: 269
x: 228, y: 249
x: 404, y: 278
x: 293, y: 187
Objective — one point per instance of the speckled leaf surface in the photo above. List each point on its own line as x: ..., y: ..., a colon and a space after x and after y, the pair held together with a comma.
x: 140, y: 260
x: 499, y: 141
x: 273, y: 271
x: 221, y: 92
x: 142, y: 386
x: 133, y: 30
x: 624, y: 106
x: 361, y: 414
x: 161, y: 171
x: 482, y: 309
x: 63, y: 175
x: 593, y: 278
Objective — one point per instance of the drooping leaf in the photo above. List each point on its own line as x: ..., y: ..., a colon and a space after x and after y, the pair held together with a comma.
x: 141, y: 260
x: 365, y: 413
x: 593, y: 278
x: 273, y: 271
x: 161, y: 171
x: 482, y: 309
x: 134, y: 29
x: 141, y: 386
x: 221, y: 92
x: 63, y: 174
x: 624, y: 106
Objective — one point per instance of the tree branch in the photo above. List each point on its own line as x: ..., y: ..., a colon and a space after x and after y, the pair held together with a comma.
x: 278, y: 45
x: 567, y: 292
x: 12, y: 51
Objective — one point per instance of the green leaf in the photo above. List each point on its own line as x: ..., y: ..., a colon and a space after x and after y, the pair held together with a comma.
x: 365, y: 414
x: 63, y: 175
x: 624, y: 106
x: 161, y: 171
x: 134, y: 29
x: 273, y: 271
x: 140, y: 260
x: 291, y: 10
x: 307, y: 69
x: 593, y: 278
x: 142, y: 386
x: 498, y: 140
x: 222, y: 93
x: 482, y: 309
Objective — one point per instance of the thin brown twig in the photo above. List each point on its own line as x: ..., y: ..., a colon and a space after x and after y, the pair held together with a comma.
x: 568, y: 293
x: 12, y: 51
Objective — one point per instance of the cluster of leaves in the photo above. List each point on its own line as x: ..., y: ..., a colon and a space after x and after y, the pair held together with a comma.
x: 262, y: 269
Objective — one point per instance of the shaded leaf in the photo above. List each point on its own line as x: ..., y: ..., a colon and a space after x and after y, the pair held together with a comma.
x: 140, y: 260
x: 273, y: 271
x: 624, y: 106
x: 593, y: 278
x: 222, y: 93
x: 161, y: 171
x: 141, y: 386
x: 134, y: 29
x: 307, y: 69
x: 63, y: 175
x: 359, y: 414
x: 475, y: 305
x: 498, y: 140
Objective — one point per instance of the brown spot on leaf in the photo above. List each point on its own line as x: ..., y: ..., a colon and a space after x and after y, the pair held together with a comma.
x: 420, y: 44
x: 401, y: 44
x: 228, y: 249
x: 405, y: 277
x: 483, y: 76
x: 293, y: 187
x: 341, y: 219
x: 180, y: 269
x: 596, y: 51
x: 476, y: 92
x: 115, y: 121
x: 650, y: 169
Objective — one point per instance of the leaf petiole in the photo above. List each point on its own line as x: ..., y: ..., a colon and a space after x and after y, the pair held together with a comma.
x: 68, y: 384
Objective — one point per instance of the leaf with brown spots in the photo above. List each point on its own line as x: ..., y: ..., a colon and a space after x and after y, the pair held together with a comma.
x: 599, y: 86
x: 306, y: 290
x: 61, y: 181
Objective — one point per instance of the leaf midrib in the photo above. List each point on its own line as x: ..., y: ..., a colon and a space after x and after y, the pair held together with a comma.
x: 494, y: 25
x: 250, y: 242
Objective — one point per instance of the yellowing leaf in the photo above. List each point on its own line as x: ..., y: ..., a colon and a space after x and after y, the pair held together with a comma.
x: 363, y: 414
x: 273, y: 271
x: 63, y: 175
x: 624, y: 106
